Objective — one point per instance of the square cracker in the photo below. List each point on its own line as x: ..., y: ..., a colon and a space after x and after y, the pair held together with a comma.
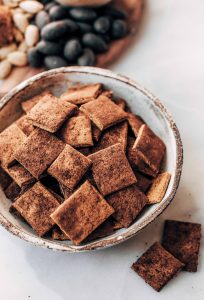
x: 39, y: 150
x: 50, y: 113
x: 77, y: 132
x: 103, y: 112
x: 83, y: 212
x: 150, y: 147
x: 135, y: 123
x: 182, y: 240
x: 111, y: 136
x: 82, y: 94
x: 36, y: 206
x: 10, y: 140
x: 30, y: 103
x: 135, y: 160
x: 69, y: 167
x: 20, y: 175
x: 127, y: 204
x: 157, y: 266
x: 25, y: 124
x: 111, y: 169
x: 158, y: 188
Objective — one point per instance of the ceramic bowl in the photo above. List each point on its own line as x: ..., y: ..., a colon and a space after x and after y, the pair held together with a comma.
x: 141, y: 102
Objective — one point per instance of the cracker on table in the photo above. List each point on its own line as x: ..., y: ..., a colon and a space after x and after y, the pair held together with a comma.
x: 77, y: 132
x: 25, y: 124
x: 20, y: 175
x: 182, y: 240
x: 5, y: 179
x: 127, y: 203
x: 103, y: 112
x: 111, y: 136
x: 30, y: 103
x: 36, y: 206
x: 82, y: 213
x: 150, y: 147
x: 111, y: 169
x: 69, y: 167
x: 135, y: 160
x: 143, y: 182
x: 12, y: 191
x: 158, y: 188
x: 51, y: 113
x: 135, y: 122
x: 82, y: 94
x: 10, y: 140
x: 38, y: 152
x: 157, y: 266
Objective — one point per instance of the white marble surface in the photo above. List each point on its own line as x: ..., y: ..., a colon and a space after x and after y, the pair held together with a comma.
x: 168, y: 60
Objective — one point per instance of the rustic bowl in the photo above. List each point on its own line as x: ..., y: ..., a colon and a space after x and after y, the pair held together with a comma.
x: 141, y: 102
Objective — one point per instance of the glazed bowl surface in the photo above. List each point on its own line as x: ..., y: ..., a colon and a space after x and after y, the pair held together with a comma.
x: 141, y: 102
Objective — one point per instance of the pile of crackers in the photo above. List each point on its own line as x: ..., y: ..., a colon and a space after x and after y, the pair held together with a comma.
x: 82, y: 165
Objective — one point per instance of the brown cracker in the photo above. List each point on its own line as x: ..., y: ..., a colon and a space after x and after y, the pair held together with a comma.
x: 182, y: 239
x: 50, y: 113
x: 36, y: 205
x: 143, y: 182
x: 69, y: 167
x: 30, y: 103
x: 82, y: 94
x: 12, y: 191
x: 103, y: 112
x: 96, y: 132
x: 105, y: 229
x: 20, y: 175
x: 121, y: 103
x: 25, y: 124
x: 5, y: 179
x: 158, y: 188
x: 150, y: 147
x: 82, y: 213
x: 135, y: 122
x: 111, y: 136
x: 127, y: 204
x: 157, y: 266
x: 39, y: 150
x: 77, y: 132
x: 58, y: 234
x: 111, y: 170
x: 10, y: 140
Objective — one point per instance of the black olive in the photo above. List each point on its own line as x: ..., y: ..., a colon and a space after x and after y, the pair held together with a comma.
x: 72, y: 50
x: 84, y: 27
x: 102, y: 25
x: 35, y: 58
x: 41, y: 19
x: 52, y: 62
x: 49, y: 48
x: 87, y: 58
x: 58, y: 12
x: 82, y: 14
x: 119, y: 29
x: 58, y: 29
x: 95, y: 42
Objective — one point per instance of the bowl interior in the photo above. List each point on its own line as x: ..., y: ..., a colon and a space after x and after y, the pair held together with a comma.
x: 140, y: 101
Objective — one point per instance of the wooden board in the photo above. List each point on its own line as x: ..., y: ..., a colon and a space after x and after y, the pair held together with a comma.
x: 134, y: 9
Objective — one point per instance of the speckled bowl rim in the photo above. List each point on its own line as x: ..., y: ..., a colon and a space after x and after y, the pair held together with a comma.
x: 129, y: 232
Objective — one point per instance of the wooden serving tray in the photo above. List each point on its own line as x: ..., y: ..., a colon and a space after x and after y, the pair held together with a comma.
x: 134, y: 9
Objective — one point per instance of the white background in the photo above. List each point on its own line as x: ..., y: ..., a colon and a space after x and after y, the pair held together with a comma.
x: 168, y: 59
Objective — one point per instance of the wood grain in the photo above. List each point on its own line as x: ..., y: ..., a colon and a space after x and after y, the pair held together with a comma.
x: 134, y: 10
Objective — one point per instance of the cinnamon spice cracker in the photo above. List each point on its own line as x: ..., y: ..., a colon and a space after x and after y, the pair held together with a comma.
x: 143, y: 182
x: 77, y: 132
x: 127, y: 203
x: 25, y: 124
x: 182, y: 239
x: 20, y: 175
x: 12, y: 191
x: 38, y: 152
x: 82, y: 213
x: 82, y: 94
x: 103, y: 112
x: 30, y: 103
x: 150, y: 147
x: 50, y: 113
x: 36, y: 206
x: 157, y: 266
x: 10, y: 140
x: 135, y: 123
x: 111, y: 170
x: 158, y: 188
x: 69, y: 167
x: 96, y: 132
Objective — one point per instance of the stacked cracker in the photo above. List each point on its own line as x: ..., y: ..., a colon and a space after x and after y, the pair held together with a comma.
x: 81, y: 165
